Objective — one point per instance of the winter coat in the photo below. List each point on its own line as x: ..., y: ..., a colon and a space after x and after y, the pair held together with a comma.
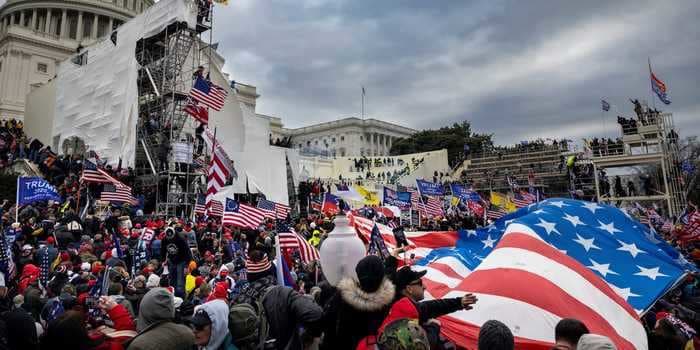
x: 286, y: 311
x: 351, y: 314
x: 156, y: 327
x: 217, y: 310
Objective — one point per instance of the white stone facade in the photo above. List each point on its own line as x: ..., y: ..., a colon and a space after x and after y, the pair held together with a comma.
x: 343, y: 137
x: 36, y: 35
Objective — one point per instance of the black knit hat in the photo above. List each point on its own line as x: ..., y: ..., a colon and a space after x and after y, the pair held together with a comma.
x: 370, y: 273
x: 494, y: 335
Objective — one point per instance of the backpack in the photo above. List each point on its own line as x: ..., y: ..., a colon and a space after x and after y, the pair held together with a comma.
x: 248, y: 324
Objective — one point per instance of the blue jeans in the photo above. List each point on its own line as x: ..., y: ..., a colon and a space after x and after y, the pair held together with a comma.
x: 177, y: 277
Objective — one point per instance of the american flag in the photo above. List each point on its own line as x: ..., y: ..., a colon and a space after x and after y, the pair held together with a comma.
x: 91, y: 173
x: 208, y: 93
x: 519, y: 201
x: 289, y: 239
x: 273, y: 210
x: 432, y: 206
x: 7, y: 265
x: 117, y: 194
x: 242, y: 215
x: 415, y: 197
x: 690, y: 231
x: 528, y: 196
x: 113, y: 191
x: 196, y: 111
x: 567, y: 257
x: 200, y: 207
x: 216, y: 208
x: 220, y: 167
x: 315, y: 205
x: 495, y: 213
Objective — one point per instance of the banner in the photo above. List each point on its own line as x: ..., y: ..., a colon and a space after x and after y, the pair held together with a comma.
x: 427, y: 188
x: 182, y: 152
x: 464, y: 193
x: 33, y: 189
x: 398, y: 199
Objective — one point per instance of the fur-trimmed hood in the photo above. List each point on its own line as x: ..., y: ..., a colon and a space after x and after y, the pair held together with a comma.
x: 352, y: 294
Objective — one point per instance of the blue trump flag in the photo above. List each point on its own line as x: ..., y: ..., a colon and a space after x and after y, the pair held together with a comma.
x: 464, y: 193
x: 427, y: 188
x: 626, y: 254
x: 34, y: 189
x: 399, y: 199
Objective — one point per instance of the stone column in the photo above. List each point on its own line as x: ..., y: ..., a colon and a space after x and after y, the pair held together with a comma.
x: 33, y: 24
x: 21, y: 18
x: 79, y: 30
x: 64, y: 24
x: 95, y: 22
x: 47, y: 28
x: 12, y: 18
x: 111, y: 25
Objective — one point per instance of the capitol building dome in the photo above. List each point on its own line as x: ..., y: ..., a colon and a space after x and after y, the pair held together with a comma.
x: 36, y: 35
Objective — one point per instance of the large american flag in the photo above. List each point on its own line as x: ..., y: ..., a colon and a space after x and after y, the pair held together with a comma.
x: 242, y: 215
x: 567, y: 258
x: 208, y: 93
x: 274, y: 210
x: 289, y: 239
x: 113, y: 190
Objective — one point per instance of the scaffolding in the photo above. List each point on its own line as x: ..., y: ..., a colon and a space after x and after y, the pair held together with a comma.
x: 168, y: 62
x: 650, y: 140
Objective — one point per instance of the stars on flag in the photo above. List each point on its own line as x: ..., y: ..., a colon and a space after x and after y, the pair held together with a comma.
x: 587, y: 244
x: 652, y: 273
x: 548, y: 226
x: 608, y: 227
x: 603, y: 269
x: 630, y: 248
x: 574, y: 220
x: 489, y: 242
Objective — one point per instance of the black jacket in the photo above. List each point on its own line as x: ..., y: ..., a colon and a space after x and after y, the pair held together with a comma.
x: 351, y: 314
x: 175, y: 249
x: 436, y: 308
x: 286, y: 312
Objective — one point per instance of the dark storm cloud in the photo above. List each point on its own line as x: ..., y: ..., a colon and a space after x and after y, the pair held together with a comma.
x: 519, y: 69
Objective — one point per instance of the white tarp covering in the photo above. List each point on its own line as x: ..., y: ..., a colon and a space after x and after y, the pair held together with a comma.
x: 257, y: 130
x: 265, y: 170
x: 98, y: 101
x: 229, y: 121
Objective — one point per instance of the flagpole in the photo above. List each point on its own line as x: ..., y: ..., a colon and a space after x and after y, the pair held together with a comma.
x: 17, y: 201
x: 363, y: 103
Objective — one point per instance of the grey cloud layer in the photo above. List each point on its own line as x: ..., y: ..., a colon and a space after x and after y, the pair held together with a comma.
x: 518, y: 69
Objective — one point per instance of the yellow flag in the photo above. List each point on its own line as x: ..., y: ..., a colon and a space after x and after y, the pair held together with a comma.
x: 222, y: 2
x: 369, y: 197
x: 455, y: 201
x: 501, y: 200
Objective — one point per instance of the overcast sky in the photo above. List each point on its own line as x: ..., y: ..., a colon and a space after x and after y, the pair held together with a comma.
x: 518, y: 69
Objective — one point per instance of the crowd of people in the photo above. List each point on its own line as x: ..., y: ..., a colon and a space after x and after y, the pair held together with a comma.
x: 121, y: 279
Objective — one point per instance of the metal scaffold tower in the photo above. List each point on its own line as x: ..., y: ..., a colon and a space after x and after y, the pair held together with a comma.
x: 653, y: 143
x: 168, y: 62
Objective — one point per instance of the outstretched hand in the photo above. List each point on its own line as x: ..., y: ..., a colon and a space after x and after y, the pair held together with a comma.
x: 468, y: 300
